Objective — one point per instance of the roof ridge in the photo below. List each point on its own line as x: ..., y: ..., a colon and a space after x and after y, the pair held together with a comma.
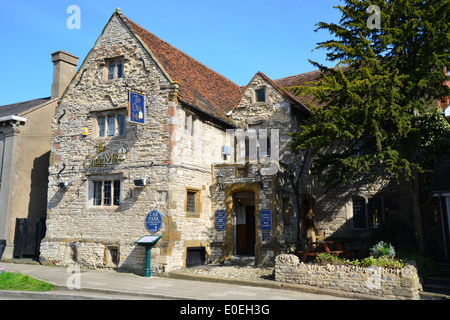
x: 296, y: 75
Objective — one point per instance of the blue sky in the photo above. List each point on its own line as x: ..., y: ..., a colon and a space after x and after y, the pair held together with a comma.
x: 236, y: 38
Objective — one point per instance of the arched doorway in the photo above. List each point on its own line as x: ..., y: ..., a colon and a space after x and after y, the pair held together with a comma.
x: 244, y: 223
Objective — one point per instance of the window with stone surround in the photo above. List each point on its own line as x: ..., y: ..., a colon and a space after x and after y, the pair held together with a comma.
x: 104, y: 192
x: 259, y: 94
x: 113, y: 69
x: 108, y: 124
x: 189, y: 124
x: 193, y: 206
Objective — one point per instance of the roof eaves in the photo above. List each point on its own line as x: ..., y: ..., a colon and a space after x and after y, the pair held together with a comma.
x: 222, y: 121
x: 13, y: 118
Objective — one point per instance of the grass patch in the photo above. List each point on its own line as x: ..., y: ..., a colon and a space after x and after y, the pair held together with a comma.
x: 20, y: 282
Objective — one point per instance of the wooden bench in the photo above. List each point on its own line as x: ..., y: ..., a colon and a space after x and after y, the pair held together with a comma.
x: 335, y: 248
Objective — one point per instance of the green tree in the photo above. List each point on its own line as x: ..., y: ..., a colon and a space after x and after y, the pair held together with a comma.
x: 376, y: 104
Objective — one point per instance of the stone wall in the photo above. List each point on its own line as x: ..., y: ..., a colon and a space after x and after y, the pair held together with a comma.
x: 389, y: 283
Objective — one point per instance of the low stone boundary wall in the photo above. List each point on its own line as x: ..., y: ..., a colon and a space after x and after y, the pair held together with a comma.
x: 388, y: 283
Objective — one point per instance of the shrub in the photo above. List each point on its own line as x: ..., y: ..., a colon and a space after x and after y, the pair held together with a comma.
x: 382, y: 249
x: 326, y: 258
x: 383, y: 261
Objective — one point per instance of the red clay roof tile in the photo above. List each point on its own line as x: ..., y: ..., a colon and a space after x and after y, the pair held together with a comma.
x: 199, y: 85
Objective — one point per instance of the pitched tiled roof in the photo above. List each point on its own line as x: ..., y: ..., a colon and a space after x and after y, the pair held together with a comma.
x: 279, y: 85
x: 21, y: 107
x: 300, y: 80
x: 199, y: 85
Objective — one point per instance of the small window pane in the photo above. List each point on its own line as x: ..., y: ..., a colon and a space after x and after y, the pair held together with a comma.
x: 260, y: 95
x: 186, y: 124
x: 116, y: 198
x: 111, y: 71
x: 97, y: 193
x: 119, y: 70
x: 190, y: 205
x: 247, y: 147
x: 121, y: 121
x: 359, y: 214
x: 111, y: 125
x: 375, y: 213
x: 106, y: 193
x: 101, y: 127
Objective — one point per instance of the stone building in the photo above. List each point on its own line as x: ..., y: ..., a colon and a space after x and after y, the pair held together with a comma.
x: 25, y: 136
x: 147, y: 140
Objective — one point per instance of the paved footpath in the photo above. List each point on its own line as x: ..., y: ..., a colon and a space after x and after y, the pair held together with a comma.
x: 177, y: 286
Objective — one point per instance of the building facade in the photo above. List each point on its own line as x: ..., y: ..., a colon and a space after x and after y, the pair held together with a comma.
x: 25, y: 136
x: 146, y: 140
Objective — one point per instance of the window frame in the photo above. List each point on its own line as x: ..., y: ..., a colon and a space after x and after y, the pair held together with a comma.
x: 197, y: 202
x: 260, y: 93
x: 382, y: 204
x: 98, y: 199
x: 189, y: 123
x: 101, y: 129
x: 364, y: 213
x: 256, y: 96
x: 113, y: 69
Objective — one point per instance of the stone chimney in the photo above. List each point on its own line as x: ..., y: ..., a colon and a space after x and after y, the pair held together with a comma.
x: 64, y: 68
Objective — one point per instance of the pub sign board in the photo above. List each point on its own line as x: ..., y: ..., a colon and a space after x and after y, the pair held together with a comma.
x: 220, y: 220
x: 265, y: 220
x: 153, y: 221
x: 136, y: 107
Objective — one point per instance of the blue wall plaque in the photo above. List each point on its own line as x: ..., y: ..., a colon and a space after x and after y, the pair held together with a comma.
x: 136, y: 107
x: 221, y: 220
x: 265, y: 220
x: 153, y: 221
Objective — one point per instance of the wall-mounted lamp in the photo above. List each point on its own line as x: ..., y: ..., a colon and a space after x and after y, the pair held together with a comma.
x: 140, y: 182
x: 63, y: 185
x: 258, y: 179
x: 220, y: 181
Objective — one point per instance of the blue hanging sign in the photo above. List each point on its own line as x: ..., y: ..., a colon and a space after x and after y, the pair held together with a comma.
x: 136, y: 107
x: 220, y: 220
x: 265, y: 220
x: 153, y: 221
